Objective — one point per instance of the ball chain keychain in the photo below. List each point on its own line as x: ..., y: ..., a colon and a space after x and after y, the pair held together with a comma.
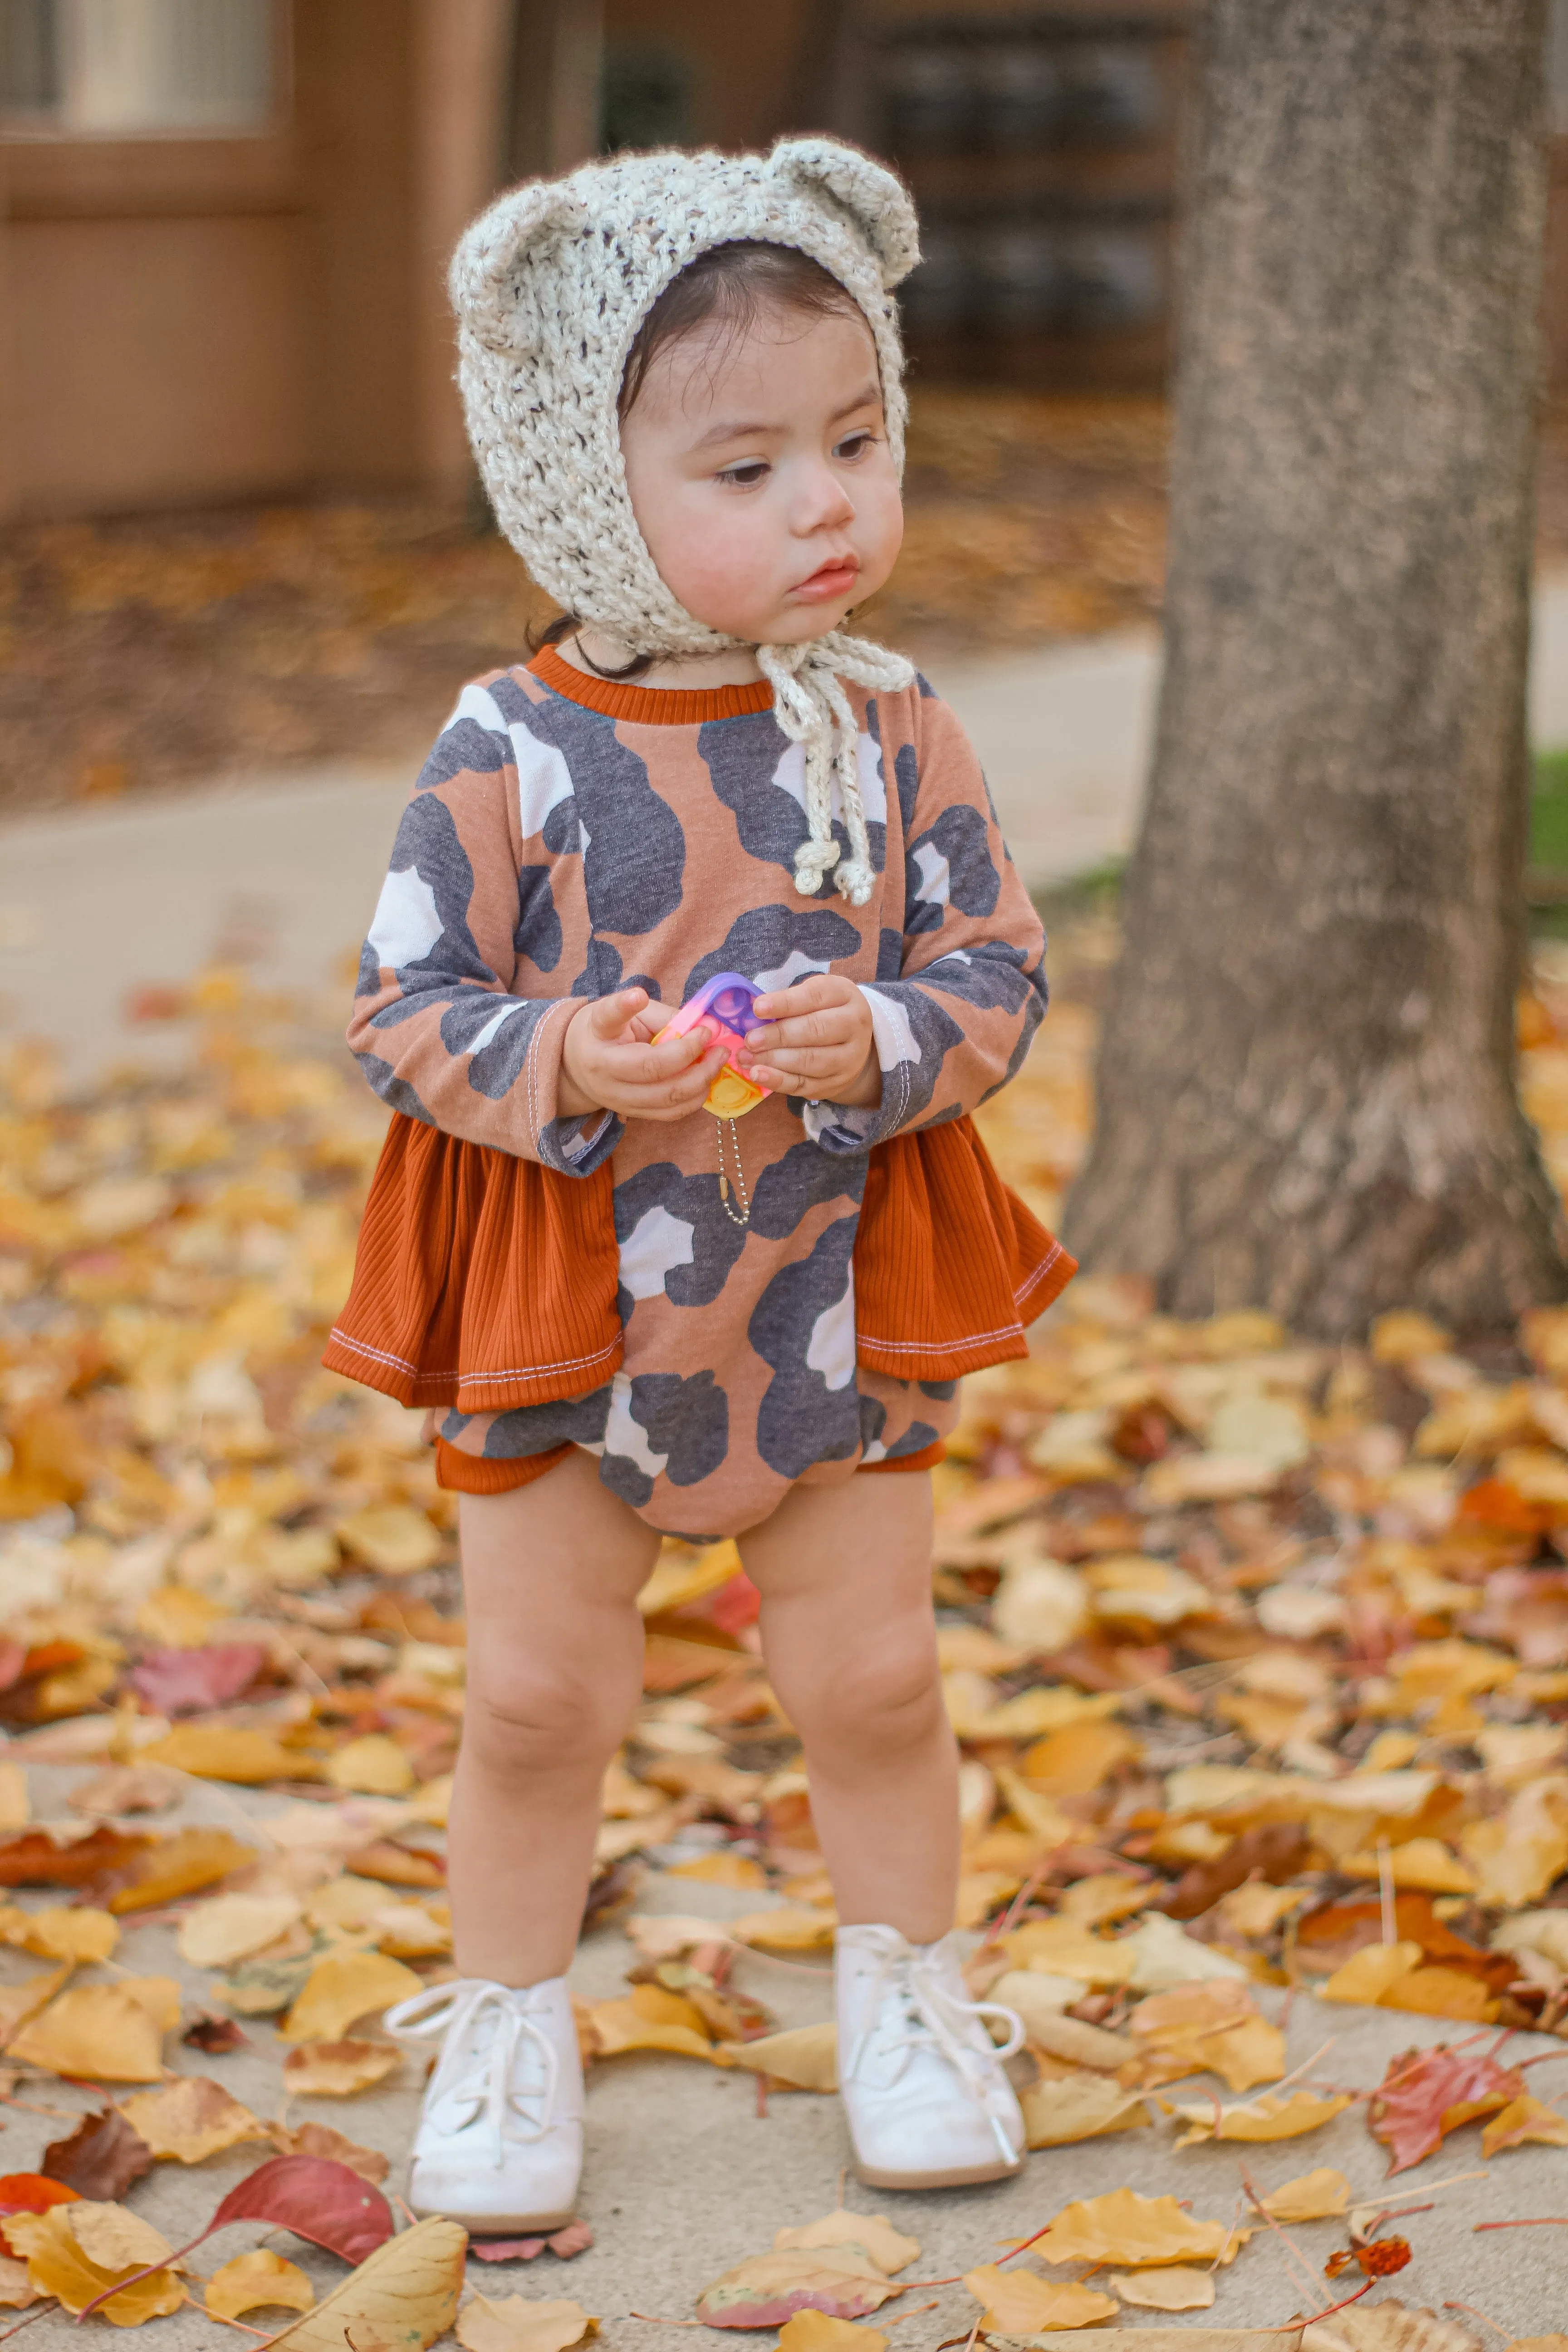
x: 722, y: 1008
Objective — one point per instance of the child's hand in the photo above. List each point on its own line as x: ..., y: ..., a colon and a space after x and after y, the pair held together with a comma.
x: 818, y: 1042
x: 608, y: 1063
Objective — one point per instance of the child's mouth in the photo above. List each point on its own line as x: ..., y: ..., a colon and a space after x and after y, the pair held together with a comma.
x: 830, y: 580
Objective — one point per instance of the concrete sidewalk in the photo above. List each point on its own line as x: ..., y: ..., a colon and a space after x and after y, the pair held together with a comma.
x: 280, y: 871
x: 685, y: 2177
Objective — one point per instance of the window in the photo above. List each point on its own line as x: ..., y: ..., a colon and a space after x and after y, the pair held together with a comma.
x: 129, y: 68
x: 1557, y: 65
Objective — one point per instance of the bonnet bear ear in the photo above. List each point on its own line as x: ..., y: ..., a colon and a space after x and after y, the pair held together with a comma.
x: 876, y: 199
x: 483, y: 280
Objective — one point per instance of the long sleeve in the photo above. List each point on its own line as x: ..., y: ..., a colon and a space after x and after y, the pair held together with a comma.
x: 453, y: 1024
x: 961, y: 992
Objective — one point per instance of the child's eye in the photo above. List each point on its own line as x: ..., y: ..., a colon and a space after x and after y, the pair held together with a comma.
x: 855, y: 445
x: 746, y: 476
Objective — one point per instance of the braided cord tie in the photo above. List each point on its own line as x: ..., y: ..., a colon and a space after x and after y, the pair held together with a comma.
x: 813, y: 710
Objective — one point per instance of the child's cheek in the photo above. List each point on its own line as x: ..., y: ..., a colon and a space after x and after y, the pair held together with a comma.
x: 719, y: 565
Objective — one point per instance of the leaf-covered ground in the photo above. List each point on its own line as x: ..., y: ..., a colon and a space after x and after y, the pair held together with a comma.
x: 145, y: 651
x: 251, y: 638
x: 1258, y: 1653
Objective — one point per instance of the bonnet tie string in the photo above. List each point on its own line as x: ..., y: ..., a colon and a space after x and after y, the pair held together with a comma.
x: 813, y: 710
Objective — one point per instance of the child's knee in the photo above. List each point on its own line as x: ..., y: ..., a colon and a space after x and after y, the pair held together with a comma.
x: 889, y: 1697
x: 522, y: 1723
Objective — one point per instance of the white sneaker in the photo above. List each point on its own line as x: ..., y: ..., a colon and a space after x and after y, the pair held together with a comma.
x: 500, y: 2143
x: 928, y: 2103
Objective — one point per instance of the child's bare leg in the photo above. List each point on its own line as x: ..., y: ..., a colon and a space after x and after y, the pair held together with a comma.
x: 551, y: 1574
x: 850, y: 1643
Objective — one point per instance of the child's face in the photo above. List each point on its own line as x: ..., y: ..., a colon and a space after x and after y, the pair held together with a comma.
x: 760, y: 477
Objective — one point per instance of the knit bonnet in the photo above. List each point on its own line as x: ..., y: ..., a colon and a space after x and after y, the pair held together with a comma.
x: 550, y: 286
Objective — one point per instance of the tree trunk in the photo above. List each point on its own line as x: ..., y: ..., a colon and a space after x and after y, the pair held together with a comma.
x: 1307, y: 1081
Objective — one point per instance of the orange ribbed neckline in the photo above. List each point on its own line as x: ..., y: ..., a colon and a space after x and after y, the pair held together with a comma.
x: 650, y: 706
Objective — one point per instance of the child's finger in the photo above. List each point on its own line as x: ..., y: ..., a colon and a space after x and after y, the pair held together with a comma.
x: 653, y: 1065
x: 796, y: 1073
x: 608, y: 1016
x: 808, y: 995
x: 644, y: 1090
x: 833, y: 1027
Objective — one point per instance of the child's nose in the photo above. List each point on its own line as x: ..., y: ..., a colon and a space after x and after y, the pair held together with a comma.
x: 824, y: 501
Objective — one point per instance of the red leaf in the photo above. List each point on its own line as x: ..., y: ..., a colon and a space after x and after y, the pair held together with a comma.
x: 183, y: 1682
x: 1383, y: 2256
x: 29, y: 2192
x: 1426, y: 2092
x: 314, y: 2197
x: 33, y: 1858
x: 575, y: 2238
x: 1380, y: 2259
x: 100, y: 2159
x: 1494, y: 1503
x: 215, y: 2035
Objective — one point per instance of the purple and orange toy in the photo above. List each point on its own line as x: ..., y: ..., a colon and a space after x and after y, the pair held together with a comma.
x: 722, y: 1007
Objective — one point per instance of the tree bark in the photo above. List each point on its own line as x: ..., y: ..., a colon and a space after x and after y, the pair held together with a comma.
x: 1307, y: 1097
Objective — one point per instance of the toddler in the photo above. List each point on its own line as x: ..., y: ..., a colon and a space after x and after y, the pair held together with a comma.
x: 632, y: 1315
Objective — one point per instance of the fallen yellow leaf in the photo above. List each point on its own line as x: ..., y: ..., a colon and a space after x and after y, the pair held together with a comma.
x: 218, y: 1752
x: 1021, y: 2303
x: 1210, y: 2026
x: 60, y: 2263
x: 113, y: 2237
x: 17, y: 2289
x: 516, y: 2325
x: 622, y: 2025
x: 178, y: 1618
x: 1437, y: 1992
x: 19, y: 2002
x: 347, y: 1902
x: 185, y: 1863
x: 336, y: 2070
x: 718, y: 1869
x: 1178, y: 2289
x: 1422, y: 1864
x: 1067, y: 1948
x: 1522, y: 2120
x: 1311, y: 2196
x: 373, y: 1766
x: 391, y: 1537
x: 872, y: 2232
x: 342, y: 1989
x: 787, y: 1929
x: 251, y: 2281
x: 193, y: 2119
x: 1518, y: 1853
x: 1262, y: 2119
x: 15, y: 1809
x: 1256, y: 1909
x: 818, y: 2331
x: 803, y: 2058
x: 1367, y: 1975
x: 58, y: 1933
x: 405, y: 2293
x: 1079, y: 2107
x: 1106, y: 1895
x: 107, y: 2032
x: 412, y: 1931
x: 1079, y: 1758
x: 229, y: 1927
x: 1140, y: 2232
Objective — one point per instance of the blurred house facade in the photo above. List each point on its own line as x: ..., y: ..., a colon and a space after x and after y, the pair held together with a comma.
x: 224, y: 224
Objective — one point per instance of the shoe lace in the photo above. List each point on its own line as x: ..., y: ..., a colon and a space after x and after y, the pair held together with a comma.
x: 934, y: 2019
x: 454, y: 2011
